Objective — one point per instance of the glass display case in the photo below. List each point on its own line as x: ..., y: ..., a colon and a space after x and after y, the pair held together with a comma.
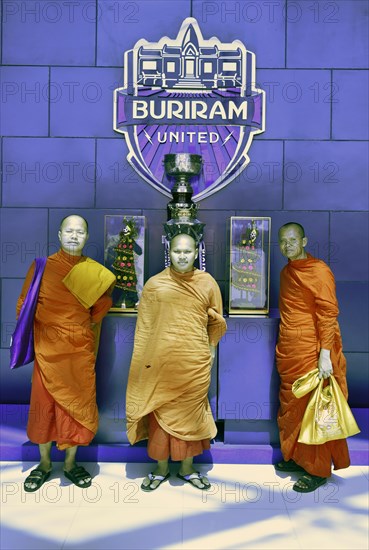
x: 249, y: 258
x: 124, y: 255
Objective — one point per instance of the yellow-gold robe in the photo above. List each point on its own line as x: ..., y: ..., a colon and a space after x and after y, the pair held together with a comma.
x: 179, y: 315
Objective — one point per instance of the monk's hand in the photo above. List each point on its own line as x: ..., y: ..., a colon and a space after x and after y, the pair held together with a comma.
x: 325, y: 364
x: 212, y: 354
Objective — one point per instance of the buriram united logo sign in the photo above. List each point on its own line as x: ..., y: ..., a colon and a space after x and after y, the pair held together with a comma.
x: 189, y: 95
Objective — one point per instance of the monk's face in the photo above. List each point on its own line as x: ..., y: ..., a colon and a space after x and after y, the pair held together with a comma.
x: 73, y: 235
x: 291, y: 243
x: 183, y: 253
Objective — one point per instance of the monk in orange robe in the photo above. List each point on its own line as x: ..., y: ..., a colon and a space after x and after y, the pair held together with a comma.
x: 309, y: 337
x: 178, y: 327
x: 72, y: 301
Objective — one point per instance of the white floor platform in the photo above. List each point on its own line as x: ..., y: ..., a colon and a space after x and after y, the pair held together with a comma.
x: 248, y: 507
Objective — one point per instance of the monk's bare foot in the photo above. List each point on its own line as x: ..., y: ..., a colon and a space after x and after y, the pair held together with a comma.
x: 201, y: 482
x: 152, y: 484
x: 37, y: 477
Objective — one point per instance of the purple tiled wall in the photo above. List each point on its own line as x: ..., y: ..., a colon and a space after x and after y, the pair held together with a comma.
x: 59, y: 154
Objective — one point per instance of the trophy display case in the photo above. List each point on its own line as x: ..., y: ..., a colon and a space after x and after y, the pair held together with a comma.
x: 249, y: 266
x: 124, y: 255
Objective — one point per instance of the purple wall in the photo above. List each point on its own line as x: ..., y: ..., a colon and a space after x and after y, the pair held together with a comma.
x: 61, y: 61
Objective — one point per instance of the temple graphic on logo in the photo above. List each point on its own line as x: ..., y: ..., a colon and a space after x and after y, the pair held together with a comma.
x: 191, y: 95
x: 190, y: 65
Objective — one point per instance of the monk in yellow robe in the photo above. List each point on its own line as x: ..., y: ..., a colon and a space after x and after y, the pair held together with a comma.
x: 73, y: 299
x: 178, y: 327
x: 309, y: 337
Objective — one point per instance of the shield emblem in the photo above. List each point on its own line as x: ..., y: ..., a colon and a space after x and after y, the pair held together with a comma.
x: 189, y: 95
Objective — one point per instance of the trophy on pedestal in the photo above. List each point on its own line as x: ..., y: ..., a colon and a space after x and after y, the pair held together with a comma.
x: 182, y: 211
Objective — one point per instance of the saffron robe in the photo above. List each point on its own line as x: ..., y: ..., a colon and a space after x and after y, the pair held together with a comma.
x: 179, y: 315
x: 63, y: 396
x: 309, y: 310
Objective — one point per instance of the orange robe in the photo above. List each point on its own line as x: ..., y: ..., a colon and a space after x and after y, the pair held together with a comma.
x: 63, y: 396
x: 178, y: 316
x: 309, y: 310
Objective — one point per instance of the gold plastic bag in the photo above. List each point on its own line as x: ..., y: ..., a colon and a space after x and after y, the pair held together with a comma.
x: 328, y: 416
x: 306, y: 383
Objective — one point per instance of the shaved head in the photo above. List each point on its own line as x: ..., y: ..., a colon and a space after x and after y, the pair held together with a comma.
x: 297, y: 226
x: 183, y: 253
x: 73, y: 234
x: 292, y: 241
x: 67, y: 218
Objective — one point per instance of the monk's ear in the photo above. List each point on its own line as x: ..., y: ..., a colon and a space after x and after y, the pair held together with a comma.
x: 304, y: 241
x: 59, y: 235
x: 197, y: 253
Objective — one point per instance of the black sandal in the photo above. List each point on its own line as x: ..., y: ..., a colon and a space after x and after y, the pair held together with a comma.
x: 79, y: 474
x: 311, y: 483
x: 37, y: 477
x: 196, y: 476
x: 152, y: 478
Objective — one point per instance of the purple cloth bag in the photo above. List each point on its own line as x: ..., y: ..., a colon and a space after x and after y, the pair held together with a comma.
x: 22, y: 349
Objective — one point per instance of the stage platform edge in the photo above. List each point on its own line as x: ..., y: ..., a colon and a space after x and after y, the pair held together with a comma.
x: 14, y: 445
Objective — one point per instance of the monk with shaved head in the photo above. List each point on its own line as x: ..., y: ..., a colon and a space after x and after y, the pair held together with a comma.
x: 309, y: 338
x: 179, y: 324
x: 74, y: 297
